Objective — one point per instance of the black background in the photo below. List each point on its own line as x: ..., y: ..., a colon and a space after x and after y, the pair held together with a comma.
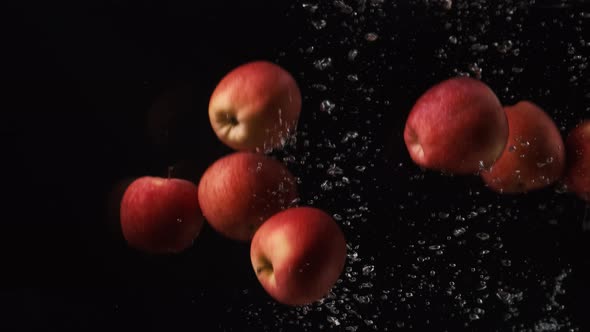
x: 96, y: 93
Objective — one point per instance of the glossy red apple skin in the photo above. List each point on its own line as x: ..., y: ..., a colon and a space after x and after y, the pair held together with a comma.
x: 534, y: 156
x: 577, y: 174
x: 238, y: 192
x: 457, y: 126
x: 160, y: 215
x: 298, y: 255
x: 255, y: 107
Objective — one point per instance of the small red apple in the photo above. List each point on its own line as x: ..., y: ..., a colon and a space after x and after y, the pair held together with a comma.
x: 457, y: 126
x: 238, y: 192
x: 577, y: 174
x: 298, y: 255
x: 255, y: 107
x: 534, y: 156
x: 160, y: 215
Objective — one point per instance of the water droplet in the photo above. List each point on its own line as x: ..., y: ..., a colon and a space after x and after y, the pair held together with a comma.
x: 344, y: 8
x: 371, y: 37
x: 483, y: 236
x: 352, y: 54
x: 367, y: 269
x: 327, y: 106
x: 353, y: 77
x: 333, y: 320
x: 512, y: 148
x: 319, y: 87
x: 459, y: 231
x: 349, y: 135
x: 443, y: 215
x: 323, y: 64
x: 561, y: 188
x: 504, y: 46
x: 326, y: 185
x: 479, y: 47
x: 310, y: 7
x: 319, y: 25
x: 453, y: 39
x: 517, y: 70
x: 360, y: 168
x: 334, y: 170
x: 508, y: 297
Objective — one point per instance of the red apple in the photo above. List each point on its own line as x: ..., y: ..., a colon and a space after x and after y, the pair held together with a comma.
x: 534, y: 156
x: 255, y: 107
x: 298, y: 255
x: 577, y: 174
x: 457, y: 126
x: 240, y: 191
x: 160, y: 215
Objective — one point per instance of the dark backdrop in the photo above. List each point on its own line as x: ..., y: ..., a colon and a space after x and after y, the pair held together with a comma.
x: 97, y: 93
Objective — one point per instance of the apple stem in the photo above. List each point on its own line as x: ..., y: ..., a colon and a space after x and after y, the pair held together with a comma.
x: 170, y: 169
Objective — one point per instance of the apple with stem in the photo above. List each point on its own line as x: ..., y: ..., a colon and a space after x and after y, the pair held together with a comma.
x: 298, y: 255
x: 255, y: 107
x: 457, y: 126
x: 160, y: 215
x: 238, y: 192
x: 534, y: 157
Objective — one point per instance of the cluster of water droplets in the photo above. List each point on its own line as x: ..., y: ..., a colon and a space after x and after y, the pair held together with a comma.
x: 459, y: 256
